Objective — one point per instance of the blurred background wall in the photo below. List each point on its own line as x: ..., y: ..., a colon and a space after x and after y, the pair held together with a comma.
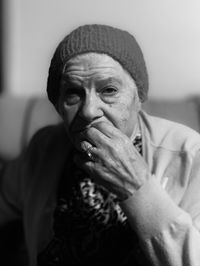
x: 167, y: 30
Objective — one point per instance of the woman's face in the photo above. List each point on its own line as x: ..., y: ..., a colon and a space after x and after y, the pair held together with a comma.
x: 95, y: 88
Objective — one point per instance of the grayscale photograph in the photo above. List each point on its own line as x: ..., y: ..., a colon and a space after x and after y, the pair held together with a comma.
x: 100, y: 133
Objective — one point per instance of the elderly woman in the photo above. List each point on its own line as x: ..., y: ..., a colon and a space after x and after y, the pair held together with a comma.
x: 111, y: 185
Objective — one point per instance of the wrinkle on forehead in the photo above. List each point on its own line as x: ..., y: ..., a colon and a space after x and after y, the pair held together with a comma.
x: 89, y: 64
x: 91, y: 61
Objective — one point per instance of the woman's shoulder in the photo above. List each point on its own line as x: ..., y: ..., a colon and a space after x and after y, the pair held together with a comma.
x: 50, y: 131
x: 47, y: 142
x: 49, y: 135
x: 169, y: 134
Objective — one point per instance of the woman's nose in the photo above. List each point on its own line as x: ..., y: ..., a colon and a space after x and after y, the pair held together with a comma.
x: 90, y: 108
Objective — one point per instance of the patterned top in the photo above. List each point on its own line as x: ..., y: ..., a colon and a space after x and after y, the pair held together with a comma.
x: 89, y: 226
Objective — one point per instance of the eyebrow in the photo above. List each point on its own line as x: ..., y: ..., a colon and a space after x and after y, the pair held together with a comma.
x: 110, y: 80
x: 66, y: 80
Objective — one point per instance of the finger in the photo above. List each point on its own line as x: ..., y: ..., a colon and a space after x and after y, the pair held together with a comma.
x: 83, y: 145
x: 83, y: 162
x: 89, y: 152
x: 82, y: 142
x: 96, y: 137
x: 107, y: 129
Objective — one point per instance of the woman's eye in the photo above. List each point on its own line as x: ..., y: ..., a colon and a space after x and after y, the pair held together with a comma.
x: 72, y: 98
x: 109, y: 91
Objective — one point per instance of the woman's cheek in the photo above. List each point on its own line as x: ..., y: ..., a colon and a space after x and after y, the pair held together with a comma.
x: 69, y: 113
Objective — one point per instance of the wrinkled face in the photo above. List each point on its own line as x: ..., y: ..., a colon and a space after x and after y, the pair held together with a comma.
x: 95, y: 88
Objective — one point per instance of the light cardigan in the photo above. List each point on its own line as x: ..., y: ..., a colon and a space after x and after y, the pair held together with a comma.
x: 164, y: 211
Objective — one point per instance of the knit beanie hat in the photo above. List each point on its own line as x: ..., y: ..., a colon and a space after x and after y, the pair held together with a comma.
x: 118, y: 44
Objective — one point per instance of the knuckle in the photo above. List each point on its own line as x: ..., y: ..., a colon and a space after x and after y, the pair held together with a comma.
x: 85, y: 145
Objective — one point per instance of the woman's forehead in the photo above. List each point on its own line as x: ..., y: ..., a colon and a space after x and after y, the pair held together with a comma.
x: 92, y: 60
x: 95, y: 62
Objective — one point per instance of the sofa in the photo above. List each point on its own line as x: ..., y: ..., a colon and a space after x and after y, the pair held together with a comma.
x: 21, y: 117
